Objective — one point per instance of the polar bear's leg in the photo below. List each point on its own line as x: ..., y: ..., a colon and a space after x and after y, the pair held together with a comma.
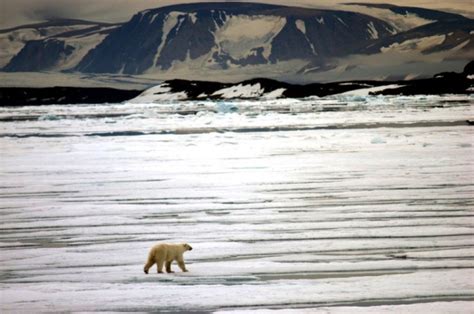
x: 182, y: 266
x: 160, y: 266
x: 168, y: 267
x: 148, y: 264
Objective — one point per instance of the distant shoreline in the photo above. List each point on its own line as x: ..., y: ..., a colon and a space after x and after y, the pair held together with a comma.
x: 18, y: 96
x: 259, y: 88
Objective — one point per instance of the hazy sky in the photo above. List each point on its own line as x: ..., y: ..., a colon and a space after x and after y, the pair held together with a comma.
x: 16, y: 12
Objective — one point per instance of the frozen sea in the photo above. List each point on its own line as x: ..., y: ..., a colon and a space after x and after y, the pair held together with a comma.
x: 333, y: 205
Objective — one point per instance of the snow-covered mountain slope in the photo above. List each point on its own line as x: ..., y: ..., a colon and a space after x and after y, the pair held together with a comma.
x: 427, y: 31
x: 53, y: 45
x: 230, y: 35
x: 403, y: 18
x: 12, y: 40
x: 425, y: 42
x: 235, y: 41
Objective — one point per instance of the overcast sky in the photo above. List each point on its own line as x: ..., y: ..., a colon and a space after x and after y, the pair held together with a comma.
x: 17, y: 12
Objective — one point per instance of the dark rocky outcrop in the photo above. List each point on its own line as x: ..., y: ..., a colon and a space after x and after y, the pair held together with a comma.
x: 469, y: 68
x: 18, y: 96
x: 443, y: 83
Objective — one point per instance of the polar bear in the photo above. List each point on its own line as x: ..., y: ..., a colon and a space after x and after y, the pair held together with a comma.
x: 161, y: 253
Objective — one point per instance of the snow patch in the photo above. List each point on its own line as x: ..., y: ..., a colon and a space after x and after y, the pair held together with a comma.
x: 240, y: 91
x: 193, y: 17
x: 374, y: 34
x: 417, y: 44
x: 346, y: 84
x: 257, y: 27
x: 170, y: 22
x: 460, y: 46
x: 398, y: 21
x: 153, y: 18
x: 311, y: 69
x: 259, y: 32
x: 277, y: 93
x: 411, y: 76
x: 158, y: 93
x: 367, y: 91
x: 342, y: 21
x: 301, y: 26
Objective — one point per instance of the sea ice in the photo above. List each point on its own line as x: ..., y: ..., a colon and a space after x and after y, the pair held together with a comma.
x: 286, y: 203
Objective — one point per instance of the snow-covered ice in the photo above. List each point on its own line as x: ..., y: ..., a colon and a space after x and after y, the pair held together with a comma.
x: 344, y: 204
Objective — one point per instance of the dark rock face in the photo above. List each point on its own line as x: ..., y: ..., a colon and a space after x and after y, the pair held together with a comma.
x: 128, y: 49
x: 453, y: 83
x: 145, y: 42
x: 283, y: 45
x: 196, y: 37
x: 39, y: 55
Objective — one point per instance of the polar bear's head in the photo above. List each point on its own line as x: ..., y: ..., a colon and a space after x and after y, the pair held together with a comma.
x: 187, y: 247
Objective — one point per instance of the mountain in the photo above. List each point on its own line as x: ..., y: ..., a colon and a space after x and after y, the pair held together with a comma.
x: 53, y: 45
x: 223, y: 35
x: 237, y: 40
x: 437, y: 31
